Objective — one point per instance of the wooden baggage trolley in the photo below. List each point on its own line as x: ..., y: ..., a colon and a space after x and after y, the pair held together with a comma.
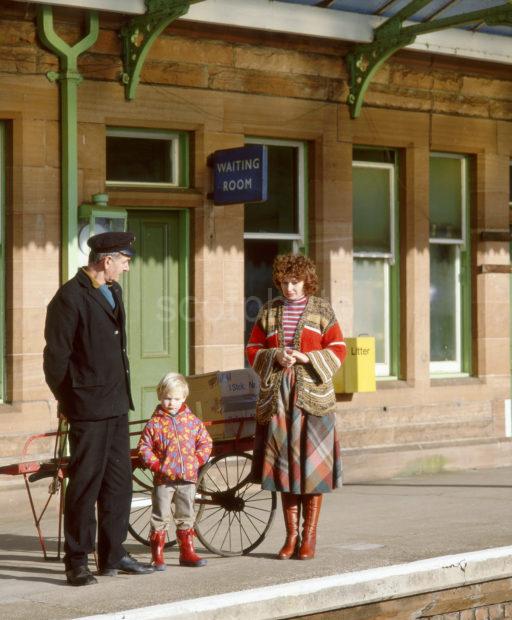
x: 233, y: 514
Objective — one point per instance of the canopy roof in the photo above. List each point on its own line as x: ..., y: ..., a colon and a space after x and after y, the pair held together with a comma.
x: 433, y: 9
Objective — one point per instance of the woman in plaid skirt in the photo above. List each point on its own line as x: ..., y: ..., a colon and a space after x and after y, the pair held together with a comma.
x: 296, y: 346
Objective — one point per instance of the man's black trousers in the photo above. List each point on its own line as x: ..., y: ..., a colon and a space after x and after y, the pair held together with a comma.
x: 99, y: 473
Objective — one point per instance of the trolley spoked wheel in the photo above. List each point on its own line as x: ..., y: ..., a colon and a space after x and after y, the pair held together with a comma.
x: 140, y: 513
x: 234, y: 514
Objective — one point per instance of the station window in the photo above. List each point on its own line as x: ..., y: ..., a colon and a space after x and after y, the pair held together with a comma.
x: 375, y: 251
x: 450, y: 295
x: 276, y: 226
x: 146, y: 158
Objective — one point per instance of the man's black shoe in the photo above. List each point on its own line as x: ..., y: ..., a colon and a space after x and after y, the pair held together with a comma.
x: 80, y: 576
x: 127, y: 564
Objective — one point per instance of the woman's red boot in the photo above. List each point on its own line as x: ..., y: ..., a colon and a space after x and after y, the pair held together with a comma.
x: 188, y: 556
x: 157, y: 541
x: 311, y: 505
x: 291, y: 512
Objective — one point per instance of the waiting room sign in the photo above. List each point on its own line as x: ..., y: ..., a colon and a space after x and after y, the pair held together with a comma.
x: 240, y: 174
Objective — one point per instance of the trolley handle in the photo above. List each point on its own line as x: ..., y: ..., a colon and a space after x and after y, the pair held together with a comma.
x: 30, y: 440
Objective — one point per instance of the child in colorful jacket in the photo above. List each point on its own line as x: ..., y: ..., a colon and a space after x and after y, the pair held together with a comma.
x: 173, y: 445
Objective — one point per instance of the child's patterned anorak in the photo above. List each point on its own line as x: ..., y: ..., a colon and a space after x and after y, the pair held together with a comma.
x: 174, y: 446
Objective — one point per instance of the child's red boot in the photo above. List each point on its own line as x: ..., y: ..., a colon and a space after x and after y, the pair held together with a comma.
x: 188, y: 557
x: 157, y: 540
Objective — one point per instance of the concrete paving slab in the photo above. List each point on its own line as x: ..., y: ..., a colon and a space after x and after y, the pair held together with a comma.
x: 363, y: 527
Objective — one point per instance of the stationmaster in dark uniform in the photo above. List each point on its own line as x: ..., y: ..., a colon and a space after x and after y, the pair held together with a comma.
x: 87, y: 369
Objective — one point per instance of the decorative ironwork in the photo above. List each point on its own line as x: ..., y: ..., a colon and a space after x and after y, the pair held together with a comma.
x: 367, y: 58
x: 141, y: 32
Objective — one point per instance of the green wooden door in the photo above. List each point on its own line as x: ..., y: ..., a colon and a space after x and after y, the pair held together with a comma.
x: 156, y: 303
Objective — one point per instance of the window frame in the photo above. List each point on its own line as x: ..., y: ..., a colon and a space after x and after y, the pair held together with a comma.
x: 300, y: 239
x: 357, y: 163
x: 510, y: 183
x: 459, y: 367
x: 390, y: 368
x: 179, y: 153
x: 3, y: 182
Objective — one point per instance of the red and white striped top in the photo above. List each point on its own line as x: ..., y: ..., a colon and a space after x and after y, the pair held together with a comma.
x: 291, y: 314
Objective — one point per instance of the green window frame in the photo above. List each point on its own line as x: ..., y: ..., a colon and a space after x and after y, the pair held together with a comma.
x: 261, y: 242
x: 297, y: 237
x: 3, y: 159
x: 176, y: 152
x: 450, y: 265
x: 510, y: 184
x: 508, y: 401
x: 376, y: 271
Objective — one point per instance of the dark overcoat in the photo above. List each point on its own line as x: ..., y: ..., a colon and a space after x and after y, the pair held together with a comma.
x: 85, y: 361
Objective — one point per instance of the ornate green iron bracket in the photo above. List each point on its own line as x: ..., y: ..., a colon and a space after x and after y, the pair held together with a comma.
x: 366, y: 59
x: 141, y: 32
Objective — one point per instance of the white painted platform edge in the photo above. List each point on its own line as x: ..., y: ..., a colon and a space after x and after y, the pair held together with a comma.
x: 335, y: 591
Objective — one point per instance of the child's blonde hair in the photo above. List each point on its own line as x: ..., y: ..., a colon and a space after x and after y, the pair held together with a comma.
x: 172, y: 382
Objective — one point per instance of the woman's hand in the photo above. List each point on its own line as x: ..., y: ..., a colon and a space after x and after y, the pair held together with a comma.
x: 299, y: 357
x: 284, y: 358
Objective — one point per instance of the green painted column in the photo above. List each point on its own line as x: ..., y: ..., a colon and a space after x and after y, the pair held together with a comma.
x: 69, y: 79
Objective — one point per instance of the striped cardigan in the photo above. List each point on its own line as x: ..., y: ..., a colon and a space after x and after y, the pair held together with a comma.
x: 318, y: 335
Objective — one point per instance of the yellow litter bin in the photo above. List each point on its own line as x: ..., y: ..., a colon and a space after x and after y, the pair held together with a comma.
x: 357, y: 374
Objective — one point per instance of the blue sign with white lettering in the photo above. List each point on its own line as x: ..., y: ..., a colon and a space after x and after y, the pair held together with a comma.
x: 240, y: 175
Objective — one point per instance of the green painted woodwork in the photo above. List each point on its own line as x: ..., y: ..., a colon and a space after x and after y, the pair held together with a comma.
x: 374, y: 217
x: 183, y: 256
x: 278, y: 214
x: 372, y: 210
x: 367, y: 58
x: 445, y: 317
x: 304, y: 248
x: 466, y: 283
x: 139, y: 157
x: 2, y: 261
x: 259, y: 253
x: 446, y: 208
x: 450, y: 232
x: 141, y: 32
x: 184, y: 163
x: 510, y: 277
x: 371, y: 304
x: 156, y: 295
x: 395, y: 369
x: 69, y: 78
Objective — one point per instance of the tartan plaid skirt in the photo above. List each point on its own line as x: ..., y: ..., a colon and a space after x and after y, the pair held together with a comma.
x: 296, y: 452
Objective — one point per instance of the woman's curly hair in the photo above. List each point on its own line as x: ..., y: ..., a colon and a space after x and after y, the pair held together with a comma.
x: 289, y: 266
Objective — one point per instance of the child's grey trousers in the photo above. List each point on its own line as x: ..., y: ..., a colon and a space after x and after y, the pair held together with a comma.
x: 181, y: 495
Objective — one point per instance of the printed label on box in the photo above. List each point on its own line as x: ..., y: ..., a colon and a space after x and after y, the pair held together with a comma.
x: 225, y: 395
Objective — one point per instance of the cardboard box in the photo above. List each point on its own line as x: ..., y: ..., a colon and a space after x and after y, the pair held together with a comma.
x: 223, y: 396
